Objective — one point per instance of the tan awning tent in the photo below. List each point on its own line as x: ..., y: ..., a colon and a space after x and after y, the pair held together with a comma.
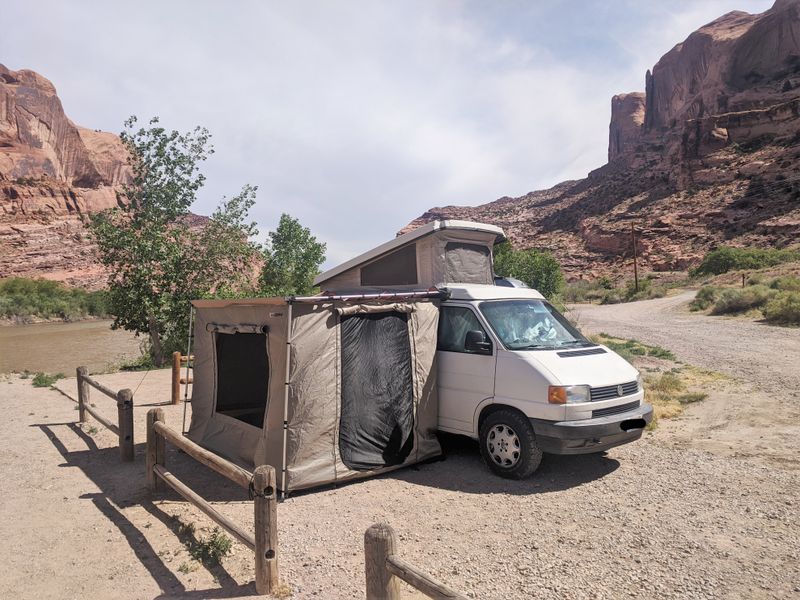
x: 438, y: 253
x: 324, y: 389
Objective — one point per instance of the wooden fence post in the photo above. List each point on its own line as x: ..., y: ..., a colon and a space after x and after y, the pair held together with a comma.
x: 176, y: 377
x: 379, y: 545
x: 155, y: 447
x: 83, y: 393
x: 266, y: 525
x: 125, y: 416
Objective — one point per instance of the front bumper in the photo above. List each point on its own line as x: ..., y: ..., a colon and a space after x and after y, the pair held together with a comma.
x: 585, y: 436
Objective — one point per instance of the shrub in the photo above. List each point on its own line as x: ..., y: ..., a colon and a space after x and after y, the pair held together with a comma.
x: 732, y: 301
x: 784, y: 308
x: 45, y: 379
x: 726, y: 259
x: 706, y: 296
x: 787, y: 283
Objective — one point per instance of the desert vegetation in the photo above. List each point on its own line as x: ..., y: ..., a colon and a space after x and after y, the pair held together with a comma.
x: 29, y: 300
x: 725, y: 259
x: 776, y: 300
x: 605, y: 290
x: 670, y: 386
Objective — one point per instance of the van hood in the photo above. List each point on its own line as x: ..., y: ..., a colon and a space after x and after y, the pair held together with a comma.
x: 569, y: 368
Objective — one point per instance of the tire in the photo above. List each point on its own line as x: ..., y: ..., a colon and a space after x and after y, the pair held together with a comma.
x: 508, y: 445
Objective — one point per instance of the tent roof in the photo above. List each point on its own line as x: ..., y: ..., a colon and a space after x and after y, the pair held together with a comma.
x: 404, y: 239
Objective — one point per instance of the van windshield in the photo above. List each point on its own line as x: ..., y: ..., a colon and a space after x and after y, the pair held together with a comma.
x: 531, y: 325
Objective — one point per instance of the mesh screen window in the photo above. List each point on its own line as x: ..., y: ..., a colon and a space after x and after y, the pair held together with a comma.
x: 242, y: 376
x: 376, y: 427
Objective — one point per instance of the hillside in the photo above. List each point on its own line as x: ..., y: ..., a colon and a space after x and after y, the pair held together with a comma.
x: 53, y: 173
x: 707, y: 155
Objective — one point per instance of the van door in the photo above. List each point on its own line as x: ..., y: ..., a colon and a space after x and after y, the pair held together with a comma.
x: 466, y: 377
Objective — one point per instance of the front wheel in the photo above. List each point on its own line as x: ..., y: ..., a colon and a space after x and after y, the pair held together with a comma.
x: 508, y: 445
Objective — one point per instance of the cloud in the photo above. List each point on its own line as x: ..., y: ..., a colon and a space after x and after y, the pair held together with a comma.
x: 356, y: 117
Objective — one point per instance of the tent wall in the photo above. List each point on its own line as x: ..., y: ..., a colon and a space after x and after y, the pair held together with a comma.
x: 435, y: 265
x: 314, y: 388
x: 221, y: 433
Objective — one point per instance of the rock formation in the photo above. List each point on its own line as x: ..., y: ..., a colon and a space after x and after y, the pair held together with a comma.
x: 52, y: 174
x: 707, y: 155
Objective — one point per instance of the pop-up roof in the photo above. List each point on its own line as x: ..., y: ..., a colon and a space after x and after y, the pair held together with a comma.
x: 435, y: 254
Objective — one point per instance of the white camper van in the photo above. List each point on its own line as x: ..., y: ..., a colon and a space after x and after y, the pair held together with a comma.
x: 512, y: 372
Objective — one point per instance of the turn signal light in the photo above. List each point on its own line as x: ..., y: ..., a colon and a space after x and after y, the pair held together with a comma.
x: 556, y: 394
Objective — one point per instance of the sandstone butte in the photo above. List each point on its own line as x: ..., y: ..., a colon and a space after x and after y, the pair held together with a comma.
x: 707, y: 155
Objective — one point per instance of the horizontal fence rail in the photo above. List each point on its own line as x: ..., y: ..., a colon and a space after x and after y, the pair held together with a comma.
x: 260, y: 483
x: 124, y: 398
x: 384, y: 569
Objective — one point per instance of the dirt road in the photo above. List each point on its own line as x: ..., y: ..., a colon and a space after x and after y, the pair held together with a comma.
x: 757, y: 414
x: 766, y: 355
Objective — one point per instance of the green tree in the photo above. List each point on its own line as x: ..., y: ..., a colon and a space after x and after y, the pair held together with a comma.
x: 159, y: 255
x: 537, y: 268
x: 292, y: 259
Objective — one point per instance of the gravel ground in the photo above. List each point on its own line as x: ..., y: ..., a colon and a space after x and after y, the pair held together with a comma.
x: 661, y: 518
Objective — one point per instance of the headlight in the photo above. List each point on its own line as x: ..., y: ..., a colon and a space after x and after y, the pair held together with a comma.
x: 640, y: 382
x: 568, y: 394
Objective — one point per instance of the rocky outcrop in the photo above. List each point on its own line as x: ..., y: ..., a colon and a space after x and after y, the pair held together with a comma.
x: 625, y: 130
x: 52, y: 175
x: 707, y: 155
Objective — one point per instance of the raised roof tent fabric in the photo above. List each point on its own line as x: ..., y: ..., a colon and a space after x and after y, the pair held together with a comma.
x: 396, y: 268
x: 377, y: 413
x: 468, y: 263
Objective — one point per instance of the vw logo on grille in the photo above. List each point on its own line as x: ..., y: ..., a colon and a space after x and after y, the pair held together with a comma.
x: 620, y: 391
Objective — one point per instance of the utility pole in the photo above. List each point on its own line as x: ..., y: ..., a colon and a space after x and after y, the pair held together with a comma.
x: 635, y: 265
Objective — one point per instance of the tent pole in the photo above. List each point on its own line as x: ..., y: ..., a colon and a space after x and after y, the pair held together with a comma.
x: 286, y: 398
x: 188, y: 354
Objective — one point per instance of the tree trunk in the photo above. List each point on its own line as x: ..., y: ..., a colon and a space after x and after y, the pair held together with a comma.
x: 155, y: 341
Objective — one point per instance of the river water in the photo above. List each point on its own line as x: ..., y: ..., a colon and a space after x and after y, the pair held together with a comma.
x: 62, y: 347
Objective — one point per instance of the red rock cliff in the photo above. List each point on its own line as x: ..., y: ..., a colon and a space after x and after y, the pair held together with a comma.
x: 52, y: 173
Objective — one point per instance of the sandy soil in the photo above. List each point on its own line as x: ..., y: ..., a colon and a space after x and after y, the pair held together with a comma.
x: 668, y: 517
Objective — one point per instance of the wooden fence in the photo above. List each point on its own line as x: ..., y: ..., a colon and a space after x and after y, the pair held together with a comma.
x: 124, y: 398
x: 260, y: 484
x: 384, y: 569
x: 179, y: 359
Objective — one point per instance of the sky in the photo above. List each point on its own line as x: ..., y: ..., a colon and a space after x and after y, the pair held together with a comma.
x: 357, y: 116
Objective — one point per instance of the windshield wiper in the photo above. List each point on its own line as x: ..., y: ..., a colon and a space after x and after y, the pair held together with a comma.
x: 572, y: 343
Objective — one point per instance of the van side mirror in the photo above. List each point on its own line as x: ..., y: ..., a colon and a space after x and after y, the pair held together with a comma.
x: 476, y: 342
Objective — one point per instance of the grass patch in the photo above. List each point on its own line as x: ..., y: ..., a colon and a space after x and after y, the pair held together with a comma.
x: 726, y: 259
x: 28, y: 299
x: 629, y: 349
x: 41, y: 380
x: 671, y: 391
x: 692, y: 397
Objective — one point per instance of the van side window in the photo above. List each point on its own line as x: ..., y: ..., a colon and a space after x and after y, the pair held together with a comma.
x: 454, y: 323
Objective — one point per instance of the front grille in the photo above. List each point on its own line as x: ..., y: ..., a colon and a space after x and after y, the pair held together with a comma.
x: 586, y: 352
x: 614, y: 410
x: 609, y: 392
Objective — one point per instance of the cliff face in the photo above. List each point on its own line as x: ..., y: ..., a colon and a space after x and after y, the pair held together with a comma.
x: 707, y: 155
x: 52, y: 174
